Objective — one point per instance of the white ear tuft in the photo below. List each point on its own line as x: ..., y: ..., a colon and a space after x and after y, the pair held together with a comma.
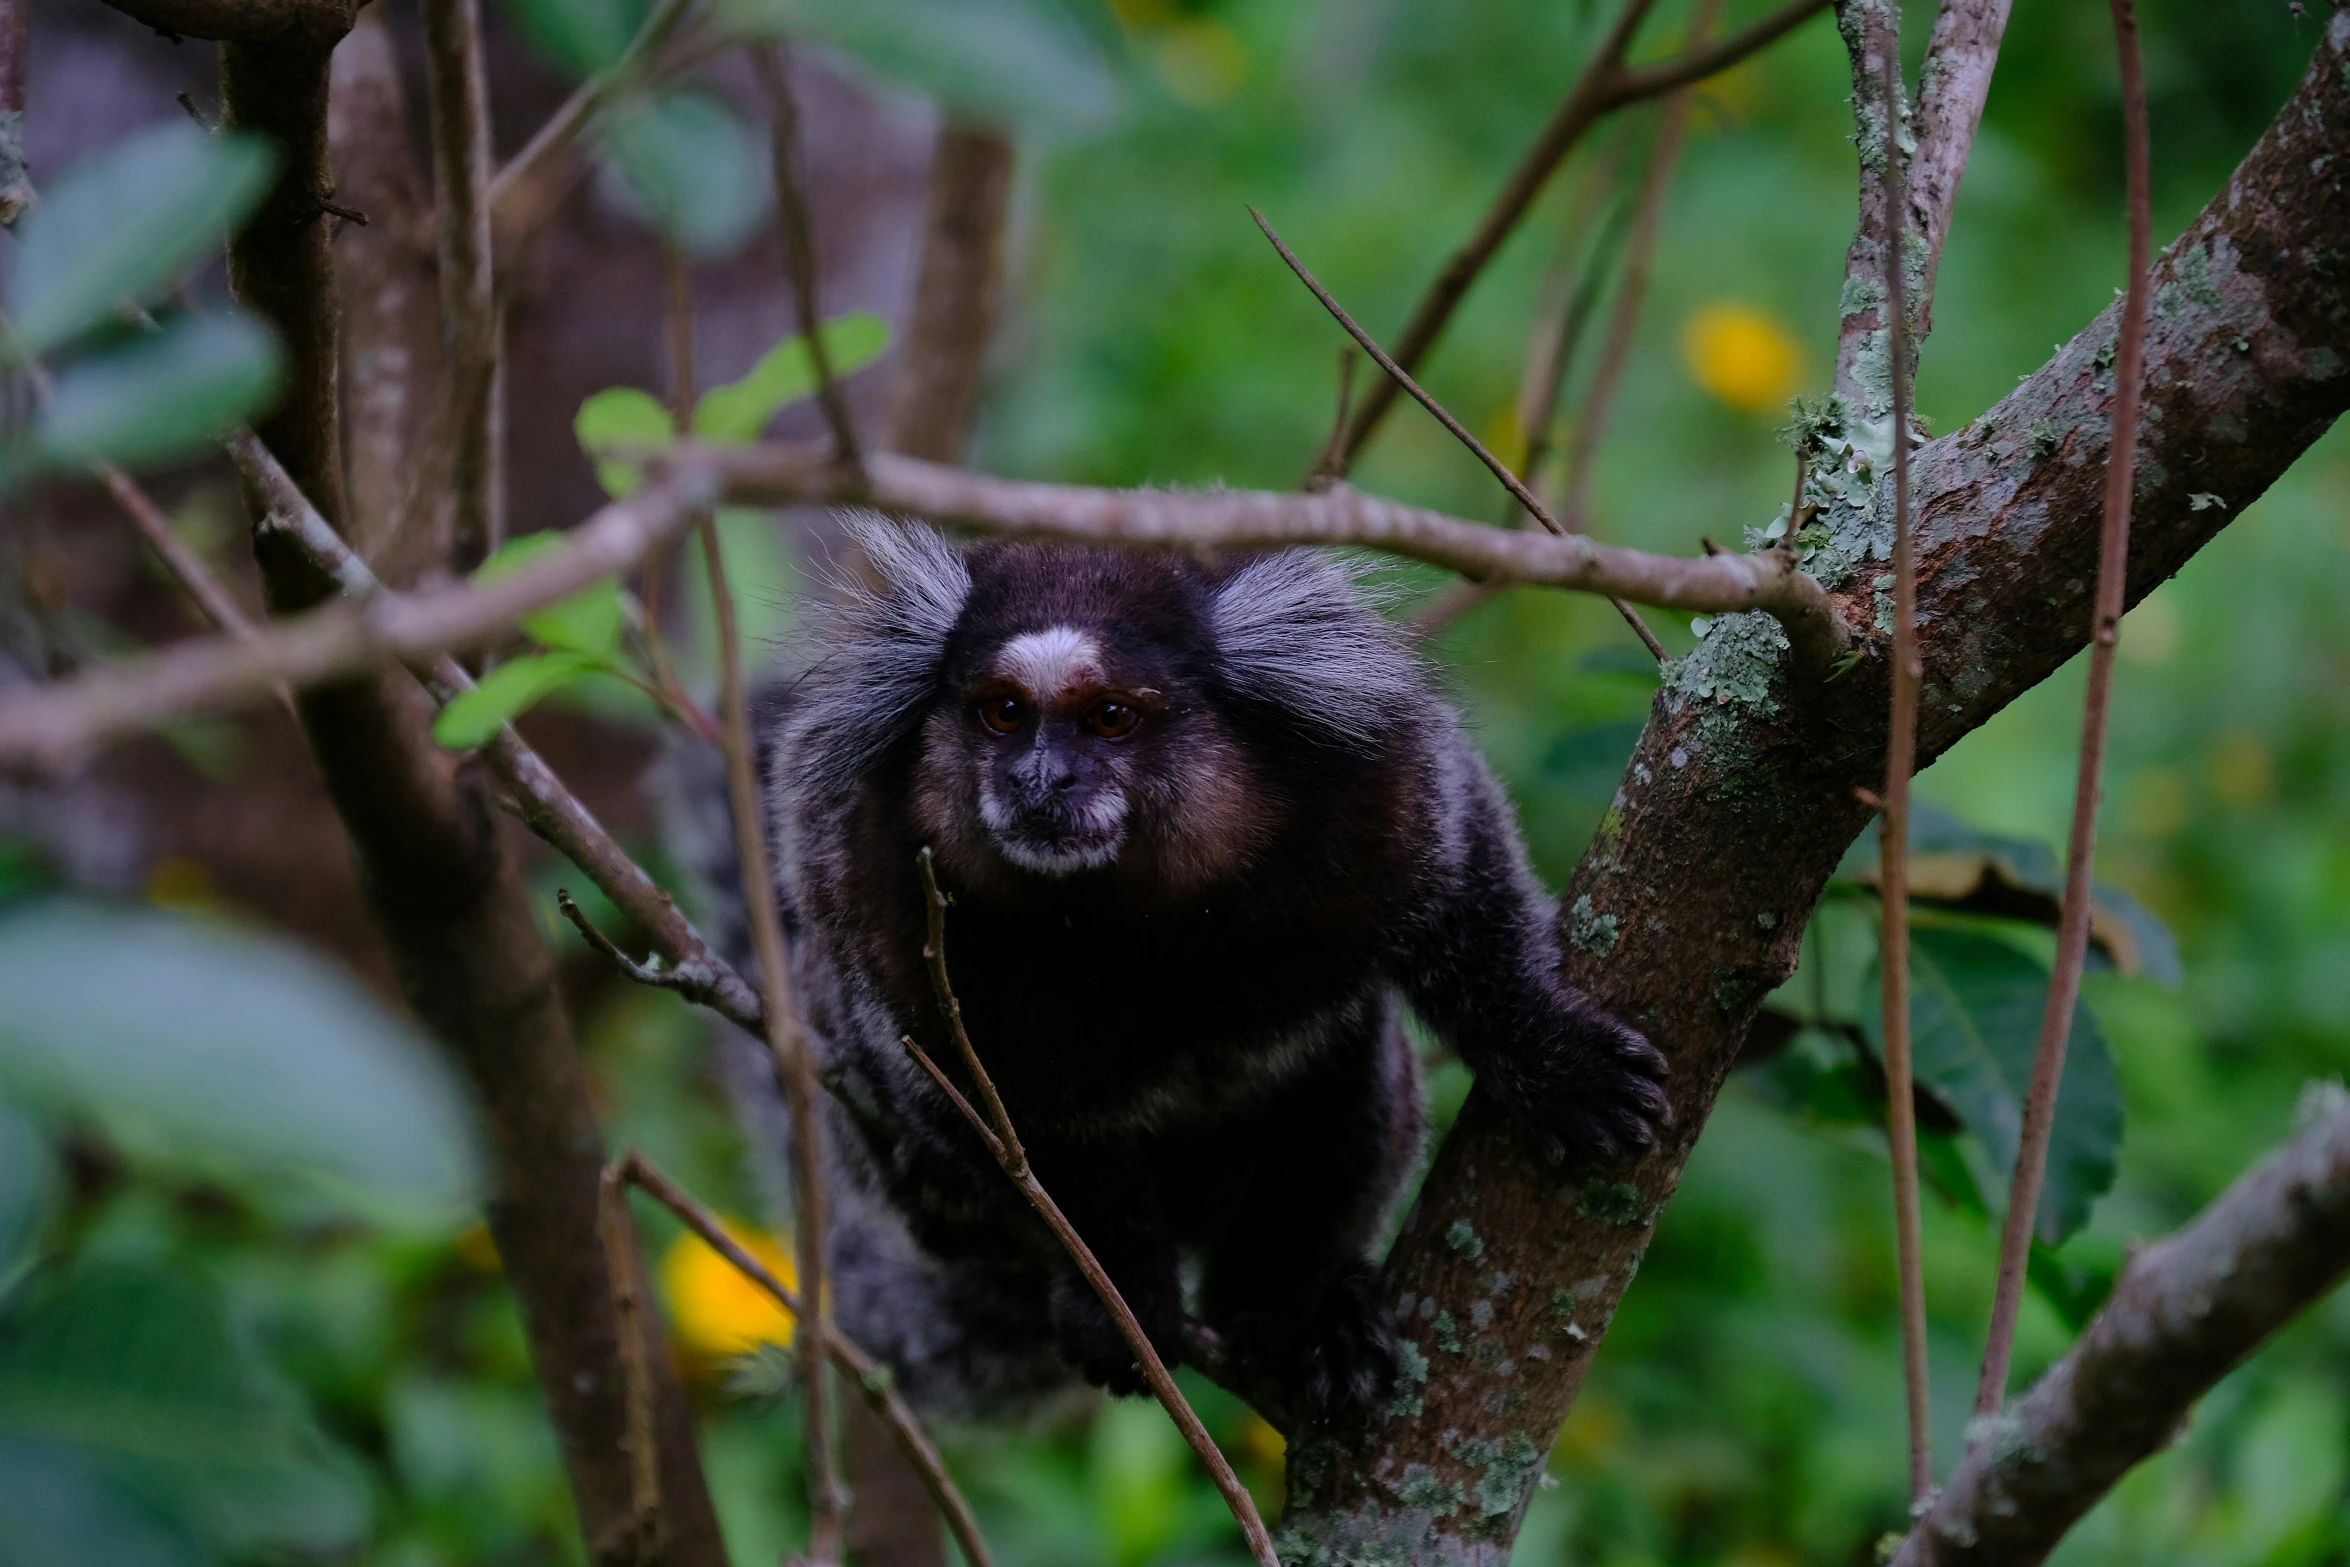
x: 1295, y: 629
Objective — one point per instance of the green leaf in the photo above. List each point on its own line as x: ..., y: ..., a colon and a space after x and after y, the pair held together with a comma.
x: 1029, y: 63
x: 195, y: 1042
x: 160, y: 397
x: 56, y: 1506
x: 134, y: 1371
x: 622, y: 416
x: 739, y: 410
x: 1975, y: 1005
x: 692, y: 166
x: 506, y: 692
x: 588, y: 623
x: 581, y: 36
x: 124, y: 222
x: 28, y: 1178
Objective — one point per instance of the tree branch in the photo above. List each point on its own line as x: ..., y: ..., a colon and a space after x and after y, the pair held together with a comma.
x: 2185, y: 1311
x: 1952, y: 88
x: 315, y: 22
x: 1604, y: 85
x: 1739, y: 804
x: 1767, y: 580
x: 944, y: 351
x: 1872, y: 37
x: 799, y: 244
x: 2072, y: 934
x: 458, y: 91
x: 53, y: 725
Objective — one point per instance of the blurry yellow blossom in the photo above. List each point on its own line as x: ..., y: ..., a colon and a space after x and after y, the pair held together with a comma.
x: 1741, y: 356
x: 177, y: 882
x: 2241, y: 772
x: 1201, y: 61
x: 719, y: 1313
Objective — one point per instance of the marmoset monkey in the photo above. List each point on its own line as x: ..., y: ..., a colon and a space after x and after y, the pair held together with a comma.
x: 1204, y: 826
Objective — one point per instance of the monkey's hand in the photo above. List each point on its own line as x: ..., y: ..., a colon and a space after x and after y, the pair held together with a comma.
x: 1591, y: 1089
x: 1089, y: 1337
x: 1335, y: 1353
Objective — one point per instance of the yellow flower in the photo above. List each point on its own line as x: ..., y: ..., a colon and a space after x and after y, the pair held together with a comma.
x: 1741, y: 356
x: 718, y: 1313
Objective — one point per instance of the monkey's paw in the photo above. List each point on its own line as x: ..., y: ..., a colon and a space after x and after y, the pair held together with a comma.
x: 1336, y: 1357
x: 1089, y: 1337
x: 1594, y: 1097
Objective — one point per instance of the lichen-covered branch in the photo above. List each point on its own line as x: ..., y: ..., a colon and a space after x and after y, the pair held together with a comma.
x: 1766, y: 580
x: 1864, y: 353
x: 1739, y: 803
x: 2184, y: 1312
x: 1952, y: 87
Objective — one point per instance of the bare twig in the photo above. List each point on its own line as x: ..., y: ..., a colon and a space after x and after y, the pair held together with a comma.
x: 526, y: 191
x: 459, y: 96
x: 1003, y: 1142
x: 2072, y: 934
x: 795, y: 1064
x: 944, y: 351
x: 1893, y: 849
x: 1500, y: 470
x: 51, y: 725
x: 1766, y: 580
x: 1952, y: 86
x: 628, y: 1298
x: 799, y: 244
x: 2185, y: 1311
x: 871, y: 1376
x: 1604, y: 85
x: 1616, y: 353
x: 1326, y: 462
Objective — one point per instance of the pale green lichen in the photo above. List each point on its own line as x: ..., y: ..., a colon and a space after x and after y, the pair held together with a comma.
x: 1463, y: 1238
x: 1610, y: 1202
x: 1448, y: 1333
x: 1507, y: 1473
x: 1411, y: 1376
x: 1422, y: 1489
x: 1590, y: 931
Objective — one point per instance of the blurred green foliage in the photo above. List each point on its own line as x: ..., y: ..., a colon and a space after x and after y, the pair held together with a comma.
x: 1746, y: 1409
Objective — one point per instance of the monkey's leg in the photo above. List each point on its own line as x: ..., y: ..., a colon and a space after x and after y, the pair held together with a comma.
x: 1288, y: 1281
x: 1481, y: 968
x: 1116, y: 1211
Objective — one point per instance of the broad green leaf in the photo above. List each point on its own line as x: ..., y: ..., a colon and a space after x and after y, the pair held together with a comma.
x: 1975, y: 1004
x: 125, y: 221
x: 739, y: 410
x: 622, y: 416
x: 160, y: 397
x: 588, y: 623
x: 581, y: 36
x: 506, y: 692
x: 692, y: 165
x: 192, y: 1041
x: 136, y: 1369
x: 57, y: 1506
x: 1030, y: 63
x: 1959, y: 867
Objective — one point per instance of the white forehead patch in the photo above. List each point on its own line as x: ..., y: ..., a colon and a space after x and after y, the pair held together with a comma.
x: 1049, y: 662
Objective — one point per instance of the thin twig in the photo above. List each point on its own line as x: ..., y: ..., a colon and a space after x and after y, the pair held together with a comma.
x: 1326, y: 462
x: 457, y: 91
x: 1616, y: 354
x: 871, y: 1376
x: 1769, y: 580
x: 1893, y: 846
x: 2072, y: 933
x: 1499, y: 469
x: 1604, y: 85
x: 799, y: 244
x: 787, y: 1042
x: 628, y: 1296
x: 1003, y: 1142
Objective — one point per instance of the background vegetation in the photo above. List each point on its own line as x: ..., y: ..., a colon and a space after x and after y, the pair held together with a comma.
x: 1747, y: 1407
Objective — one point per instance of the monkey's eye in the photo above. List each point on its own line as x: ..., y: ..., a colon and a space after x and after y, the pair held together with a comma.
x: 1003, y: 714
x: 1111, y: 719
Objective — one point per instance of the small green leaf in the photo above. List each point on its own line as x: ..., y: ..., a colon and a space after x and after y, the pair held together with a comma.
x: 587, y: 623
x: 692, y: 166
x: 162, y: 396
x: 581, y: 36
x: 739, y: 410
x: 1975, y: 1005
x: 220, y: 1049
x: 622, y: 416
x: 125, y: 221
x: 506, y: 692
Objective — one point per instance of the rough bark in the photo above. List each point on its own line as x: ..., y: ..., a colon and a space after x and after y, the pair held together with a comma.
x: 1740, y: 800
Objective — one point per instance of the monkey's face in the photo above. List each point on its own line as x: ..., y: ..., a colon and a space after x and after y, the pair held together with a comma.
x: 1051, y: 740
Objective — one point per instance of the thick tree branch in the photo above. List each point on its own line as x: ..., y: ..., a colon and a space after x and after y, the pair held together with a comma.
x: 2185, y: 1312
x: 1604, y: 85
x: 1952, y: 88
x: 1739, y: 804
x: 317, y: 23
x: 1767, y: 580
x: 945, y: 347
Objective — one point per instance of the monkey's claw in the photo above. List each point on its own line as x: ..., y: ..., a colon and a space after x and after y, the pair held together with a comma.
x: 1596, y: 1098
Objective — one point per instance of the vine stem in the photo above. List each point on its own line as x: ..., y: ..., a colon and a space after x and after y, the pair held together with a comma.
x: 2072, y: 934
